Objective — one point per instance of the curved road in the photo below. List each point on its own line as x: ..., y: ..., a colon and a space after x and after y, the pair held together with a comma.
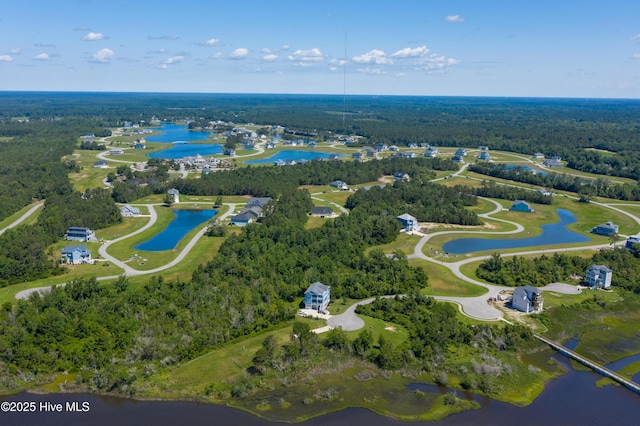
x: 24, y: 217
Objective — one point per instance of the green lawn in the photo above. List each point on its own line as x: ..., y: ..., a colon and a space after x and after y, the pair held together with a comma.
x: 442, y: 282
x: 403, y: 241
x: 30, y: 220
x: 338, y: 197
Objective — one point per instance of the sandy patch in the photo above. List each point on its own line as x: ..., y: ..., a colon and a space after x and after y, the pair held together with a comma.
x: 390, y: 328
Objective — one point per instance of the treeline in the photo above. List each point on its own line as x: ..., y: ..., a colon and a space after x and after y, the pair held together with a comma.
x: 490, y: 189
x: 599, y: 187
x: 23, y: 255
x: 271, y: 181
x: 540, y: 271
x: 427, y: 202
x: 93, y: 146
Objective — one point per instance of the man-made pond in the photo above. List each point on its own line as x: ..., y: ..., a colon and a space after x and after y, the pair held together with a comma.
x: 554, y: 233
x: 182, y: 137
x: 295, y: 155
x: 184, y: 222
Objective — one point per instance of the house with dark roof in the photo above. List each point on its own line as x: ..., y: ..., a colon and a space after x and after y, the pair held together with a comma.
x: 607, y: 229
x: 598, y: 276
x: 431, y: 152
x: 258, y: 201
x: 128, y: 211
x: 521, y: 206
x: 242, y: 219
x: 461, y: 152
x: 322, y: 212
x: 317, y: 297
x: 75, y: 255
x: 78, y: 233
x: 339, y: 184
x: 409, y: 223
x: 401, y: 176
x: 484, y: 155
x: 100, y: 164
x: 458, y: 159
x: 527, y: 299
x: 357, y: 155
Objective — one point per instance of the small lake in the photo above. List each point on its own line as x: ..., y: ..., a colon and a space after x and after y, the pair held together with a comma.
x: 184, y: 222
x: 182, y: 139
x: 553, y: 233
x: 295, y: 155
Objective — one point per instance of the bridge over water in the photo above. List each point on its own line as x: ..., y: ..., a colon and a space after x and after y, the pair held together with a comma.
x: 629, y: 384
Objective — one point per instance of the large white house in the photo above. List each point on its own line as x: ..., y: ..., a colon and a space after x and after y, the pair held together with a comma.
x: 598, y: 276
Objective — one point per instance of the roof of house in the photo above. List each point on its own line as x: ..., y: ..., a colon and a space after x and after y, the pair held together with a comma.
x: 608, y: 225
x: 260, y: 201
x: 100, y: 162
x: 254, y: 211
x: 71, y: 249
x: 600, y: 268
x: 321, y: 210
x: 406, y: 216
x: 78, y: 228
x: 133, y: 210
x: 520, y: 203
x: 173, y: 191
x: 317, y: 288
x: 243, y: 217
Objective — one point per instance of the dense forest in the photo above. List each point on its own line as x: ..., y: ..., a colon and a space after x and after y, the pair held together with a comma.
x: 540, y: 271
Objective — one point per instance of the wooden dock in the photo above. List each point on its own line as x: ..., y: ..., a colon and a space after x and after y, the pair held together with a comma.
x: 600, y: 369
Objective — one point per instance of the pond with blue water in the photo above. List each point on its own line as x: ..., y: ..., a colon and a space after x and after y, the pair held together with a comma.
x: 183, y: 223
x: 183, y: 139
x: 553, y: 233
x: 295, y: 155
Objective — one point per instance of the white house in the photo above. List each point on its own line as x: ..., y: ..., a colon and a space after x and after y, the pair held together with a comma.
x: 527, y: 299
x: 409, y: 223
x: 175, y: 195
x: 339, y: 184
x: 128, y: 211
x: 76, y: 255
x: 598, y: 276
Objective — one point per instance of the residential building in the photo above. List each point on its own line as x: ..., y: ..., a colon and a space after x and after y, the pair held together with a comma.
x: 598, y: 276
x: 242, y: 219
x: 431, y: 152
x: 230, y: 152
x: 357, y: 155
x: 457, y: 159
x: 461, y: 152
x: 101, y: 164
x: 527, y: 299
x: 607, y: 229
x: 75, y: 255
x: 401, y: 176
x: 521, y: 206
x: 409, y: 223
x: 77, y: 233
x: 175, y: 195
x: 279, y: 163
x: 317, y: 297
x: 258, y: 201
x: 484, y: 155
x: 483, y: 148
x: 394, y: 148
x: 312, y: 144
x: 553, y: 162
x: 116, y: 151
x: 545, y: 192
x: 631, y: 241
x: 538, y: 156
x: 322, y: 212
x: 128, y: 211
x: 339, y: 184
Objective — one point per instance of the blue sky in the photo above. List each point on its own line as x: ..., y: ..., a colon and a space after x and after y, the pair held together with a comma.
x: 540, y: 48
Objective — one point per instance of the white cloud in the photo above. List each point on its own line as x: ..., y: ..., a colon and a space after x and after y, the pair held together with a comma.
x: 635, y: 37
x: 103, y: 56
x: 408, y: 52
x: 15, y: 51
x: 210, y: 42
x: 333, y: 68
x: 375, y: 56
x: 435, y: 63
x: 306, y: 57
x: 636, y: 56
x: 172, y: 61
x: 371, y: 70
x: 400, y: 74
x: 216, y: 56
x: 285, y: 47
x: 267, y: 50
x: 93, y: 37
x: 239, y: 53
x: 41, y: 57
x: 454, y: 18
x: 270, y: 57
x: 338, y: 62
x: 6, y: 58
x: 158, y: 51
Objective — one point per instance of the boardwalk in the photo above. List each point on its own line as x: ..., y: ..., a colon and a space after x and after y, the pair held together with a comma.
x: 635, y: 387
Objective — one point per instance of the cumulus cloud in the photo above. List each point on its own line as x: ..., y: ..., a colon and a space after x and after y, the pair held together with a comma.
x: 267, y: 50
x: 16, y: 51
x: 270, y: 57
x: 239, y: 53
x: 371, y: 70
x: 436, y: 63
x: 377, y: 57
x: 163, y: 37
x: 102, y: 56
x: 210, y: 42
x: 454, y: 18
x: 93, y: 37
x: 41, y: 57
x: 285, y: 47
x: 6, y: 58
x: 408, y: 52
x: 400, y: 74
x: 216, y: 56
x: 172, y: 61
x: 306, y: 57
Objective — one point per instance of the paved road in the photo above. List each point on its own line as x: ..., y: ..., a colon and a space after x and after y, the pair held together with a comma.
x: 128, y: 270
x: 24, y: 217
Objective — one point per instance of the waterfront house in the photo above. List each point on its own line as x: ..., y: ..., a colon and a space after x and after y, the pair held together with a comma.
x: 357, y: 155
x: 394, y: 148
x: 100, y: 164
x: 230, y: 152
x: 607, y: 229
x: 242, y: 219
x: 75, y: 255
x: 598, y: 276
x: 175, y: 195
x: 521, y: 206
x: 77, y: 233
x: 553, y: 162
x: 312, y: 144
x: 317, y: 297
x: 139, y: 145
x: 339, y: 184
x: 322, y: 212
x: 128, y: 211
x: 527, y: 299
x: 279, y: 163
x: 409, y: 223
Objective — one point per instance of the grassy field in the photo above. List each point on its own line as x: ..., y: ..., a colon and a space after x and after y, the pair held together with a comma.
x: 338, y: 197
x: 403, y: 241
x: 29, y: 221
x: 442, y: 282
